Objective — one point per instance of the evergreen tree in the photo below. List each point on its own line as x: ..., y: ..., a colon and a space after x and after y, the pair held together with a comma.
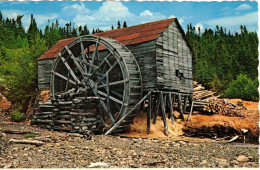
x: 118, y: 25
x: 124, y: 25
x: 112, y: 27
x: 33, y: 30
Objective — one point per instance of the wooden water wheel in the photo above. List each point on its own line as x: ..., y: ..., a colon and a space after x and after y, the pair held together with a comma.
x: 101, y: 69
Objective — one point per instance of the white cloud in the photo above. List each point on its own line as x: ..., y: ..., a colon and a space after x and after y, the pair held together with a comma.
x: 247, y: 19
x: 199, y: 25
x: 75, y: 9
x: 11, y: 13
x: 181, y: 20
x: 146, y: 13
x: 172, y: 16
x: 43, y: 19
x: 243, y: 7
x: 109, y: 13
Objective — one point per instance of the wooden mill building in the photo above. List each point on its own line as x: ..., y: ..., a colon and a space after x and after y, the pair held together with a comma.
x: 160, y: 48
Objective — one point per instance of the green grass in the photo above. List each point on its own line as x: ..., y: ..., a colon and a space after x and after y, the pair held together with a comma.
x: 29, y: 135
x: 17, y: 116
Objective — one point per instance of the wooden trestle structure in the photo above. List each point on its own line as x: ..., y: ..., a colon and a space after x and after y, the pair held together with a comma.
x: 99, y: 82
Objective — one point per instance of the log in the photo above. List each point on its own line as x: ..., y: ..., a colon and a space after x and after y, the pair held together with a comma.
x: 25, y: 141
x: 233, y: 139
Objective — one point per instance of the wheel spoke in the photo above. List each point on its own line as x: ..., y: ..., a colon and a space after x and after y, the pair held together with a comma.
x: 107, y: 89
x: 111, y: 68
x: 84, y: 62
x: 69, y: 69
x: 113, y: 83
x: 94, y: 54
x: 83, y: 54
x: 63, y: 77
x: 90, y: 82
x: 110, y: 97
x: 102, y: 62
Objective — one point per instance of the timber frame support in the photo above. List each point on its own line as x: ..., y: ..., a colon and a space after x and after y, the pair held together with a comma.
x: 163, y: 103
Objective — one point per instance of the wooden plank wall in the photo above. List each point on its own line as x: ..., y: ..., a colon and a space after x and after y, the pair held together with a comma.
x: 145, y: 56
x: 44, y: 73
x: 172, y: 54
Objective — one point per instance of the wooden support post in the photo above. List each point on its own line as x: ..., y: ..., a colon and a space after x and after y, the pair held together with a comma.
x: 163, y: 115
x: 156, y: 108
x: 153, y: 106
x: 180, y: 106
x: 191, y: 107
x: 170, y: 107
x: 185, y: 104
x: 149, y: 113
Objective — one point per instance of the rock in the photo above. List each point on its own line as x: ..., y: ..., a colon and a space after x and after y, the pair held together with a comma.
x: 9, y: 165
x: 4, y: 135
x: 182, y: 142
x: 242, y: 158
x: 98, y: 164
x: 223, y: 163
x: 234, y: 162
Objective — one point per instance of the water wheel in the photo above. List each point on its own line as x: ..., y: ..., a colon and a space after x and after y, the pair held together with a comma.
x: 102, y: 69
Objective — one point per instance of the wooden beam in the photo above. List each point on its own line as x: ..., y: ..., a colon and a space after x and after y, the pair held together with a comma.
x: 191, y: 107
x: 185, y: 104
x: 149, y: 113
x: 170, y: 107
x: 180, y: 106
x: 163, y: 115
x: 157, y: 108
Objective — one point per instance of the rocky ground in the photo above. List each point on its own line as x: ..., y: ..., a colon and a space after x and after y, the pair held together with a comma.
x: 65, y: 150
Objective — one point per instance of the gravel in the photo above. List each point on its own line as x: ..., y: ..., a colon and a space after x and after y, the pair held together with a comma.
x: 64, y: 150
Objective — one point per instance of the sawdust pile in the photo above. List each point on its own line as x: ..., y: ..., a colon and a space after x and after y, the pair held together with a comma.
x: 138, y: 128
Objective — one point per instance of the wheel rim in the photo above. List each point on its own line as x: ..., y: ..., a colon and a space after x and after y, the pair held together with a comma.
x: 95, y: 67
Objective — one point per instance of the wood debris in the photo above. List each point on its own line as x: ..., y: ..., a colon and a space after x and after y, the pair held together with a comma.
x: 205, y: 101
x: 26, y: 141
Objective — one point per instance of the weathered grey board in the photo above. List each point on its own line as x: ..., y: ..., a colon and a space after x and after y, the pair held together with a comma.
x: 44, y: 73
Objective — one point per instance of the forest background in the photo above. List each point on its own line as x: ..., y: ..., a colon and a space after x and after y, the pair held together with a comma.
x: 223, y: 61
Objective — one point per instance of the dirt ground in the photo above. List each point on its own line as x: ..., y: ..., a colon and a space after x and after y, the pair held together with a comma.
x: 63, y: 150
x: 186, y: 145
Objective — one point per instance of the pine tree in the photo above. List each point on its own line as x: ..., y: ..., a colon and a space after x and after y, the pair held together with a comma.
x: 112, y: 27
x: 124, y: 25
x: 118, y: 25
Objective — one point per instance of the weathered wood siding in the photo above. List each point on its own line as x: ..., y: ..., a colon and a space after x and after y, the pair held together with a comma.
x: 145, y: 56
x: 44, y: 73
x: 173, y: 58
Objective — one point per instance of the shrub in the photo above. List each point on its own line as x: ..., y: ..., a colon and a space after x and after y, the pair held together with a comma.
x: 243, y: 87
x: 29, y: 135
x: 17, y: 116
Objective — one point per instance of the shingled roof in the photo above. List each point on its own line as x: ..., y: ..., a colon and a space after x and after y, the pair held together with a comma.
x: 127, y: 36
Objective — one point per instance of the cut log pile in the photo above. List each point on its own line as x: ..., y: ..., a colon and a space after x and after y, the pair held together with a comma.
x: 68, y: 116
x: 205, y: 101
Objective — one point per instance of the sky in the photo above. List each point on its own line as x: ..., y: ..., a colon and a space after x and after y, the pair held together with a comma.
x: 103, y: 14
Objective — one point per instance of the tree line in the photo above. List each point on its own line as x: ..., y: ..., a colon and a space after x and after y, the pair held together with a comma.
x: 221, y: 60
x: 226, y: 62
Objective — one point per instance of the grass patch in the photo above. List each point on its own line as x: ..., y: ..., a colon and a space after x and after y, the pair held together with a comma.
x: 29, y: 135
x: 17, y: 116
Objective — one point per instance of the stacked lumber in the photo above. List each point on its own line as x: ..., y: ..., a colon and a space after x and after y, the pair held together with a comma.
x: 201, y: 97
x: 205, y: 101
x: 223, y: 107
x: 201, y: 94
x: 68, y: 116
